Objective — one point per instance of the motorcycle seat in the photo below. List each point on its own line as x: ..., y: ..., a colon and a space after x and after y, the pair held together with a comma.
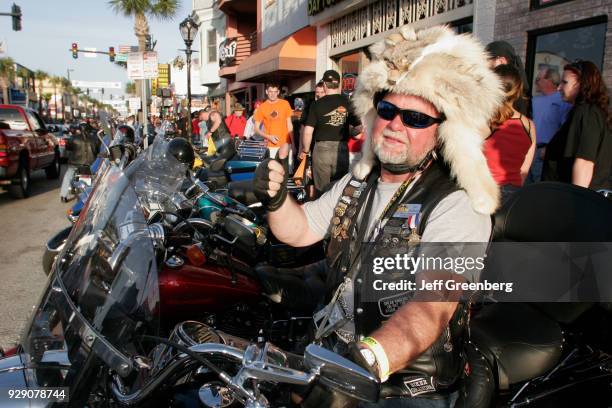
x: 214, y: 179
x: 520, y: 341
x: 83, y: 169
x: 213, y: 163
x: 242, y: 191
x: 299, y: 289
x: 586, y: 215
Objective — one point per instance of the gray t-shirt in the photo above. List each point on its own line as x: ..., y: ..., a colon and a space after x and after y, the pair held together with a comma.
x: 452, y: 220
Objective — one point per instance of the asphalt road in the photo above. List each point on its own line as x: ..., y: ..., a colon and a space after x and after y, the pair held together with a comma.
x: 25, y: 227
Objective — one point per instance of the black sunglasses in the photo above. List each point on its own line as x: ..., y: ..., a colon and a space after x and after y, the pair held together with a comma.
x: 413, y: 119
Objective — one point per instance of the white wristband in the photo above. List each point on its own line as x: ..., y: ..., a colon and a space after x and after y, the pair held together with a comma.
x: 381, y: 357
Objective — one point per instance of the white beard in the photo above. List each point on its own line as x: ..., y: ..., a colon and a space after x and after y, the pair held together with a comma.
x: 405, y: 156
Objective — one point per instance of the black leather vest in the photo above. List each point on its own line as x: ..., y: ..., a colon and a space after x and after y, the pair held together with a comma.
x: 435, y: 371
x: 221, y: 135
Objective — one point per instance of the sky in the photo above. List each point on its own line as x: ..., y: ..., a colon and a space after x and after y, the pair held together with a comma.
x: 49, y: 27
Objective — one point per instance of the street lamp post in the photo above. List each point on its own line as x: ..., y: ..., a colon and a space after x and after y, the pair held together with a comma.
x: 189, y: 29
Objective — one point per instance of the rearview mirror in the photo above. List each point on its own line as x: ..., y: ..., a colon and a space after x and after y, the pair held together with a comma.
x: 342, y: 375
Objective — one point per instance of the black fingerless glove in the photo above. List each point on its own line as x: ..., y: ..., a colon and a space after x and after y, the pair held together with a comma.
x: 262, y: 181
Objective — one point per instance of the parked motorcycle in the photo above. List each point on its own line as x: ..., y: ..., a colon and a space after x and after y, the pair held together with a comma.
x: 98, y: 333
x: 544, y: 354
x: 234, y: 161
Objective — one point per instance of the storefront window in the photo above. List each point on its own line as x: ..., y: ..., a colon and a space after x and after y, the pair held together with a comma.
x: 545, y: 3
x: 463, y: 26
x: 554, y: 50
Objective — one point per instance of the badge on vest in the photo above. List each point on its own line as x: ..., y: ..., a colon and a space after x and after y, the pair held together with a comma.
x: 389, y: 305
x: 407, y: 210
x: 418, y: 386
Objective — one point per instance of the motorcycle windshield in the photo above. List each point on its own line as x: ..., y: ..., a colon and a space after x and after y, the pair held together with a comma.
x: 102, y: 295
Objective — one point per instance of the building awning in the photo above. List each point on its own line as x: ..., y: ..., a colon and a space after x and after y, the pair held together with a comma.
x: 291, y: 56
x: 216, y: 91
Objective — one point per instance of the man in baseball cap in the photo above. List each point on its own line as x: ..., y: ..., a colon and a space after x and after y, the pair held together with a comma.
x: 331, y: 76
x: 328, y: 122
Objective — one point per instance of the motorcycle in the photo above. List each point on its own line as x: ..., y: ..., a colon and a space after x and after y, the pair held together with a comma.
x: 543, y: 354
x: 212, y: 246
x: 97, y: 337
x: 234, y: 161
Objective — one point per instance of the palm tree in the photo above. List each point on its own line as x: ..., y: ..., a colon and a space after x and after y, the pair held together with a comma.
x: 47, y: 98
x: 40, y: 77
x: 140, y: 9
x: 130, y: 88
x: 7, y: 76
x: 55, y: 81
x: 68, y: 90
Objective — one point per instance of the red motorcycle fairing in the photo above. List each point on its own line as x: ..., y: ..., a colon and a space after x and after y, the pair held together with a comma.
x: 190, y: 291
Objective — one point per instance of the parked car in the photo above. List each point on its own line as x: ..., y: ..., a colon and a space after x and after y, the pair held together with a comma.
x: 25, y: 145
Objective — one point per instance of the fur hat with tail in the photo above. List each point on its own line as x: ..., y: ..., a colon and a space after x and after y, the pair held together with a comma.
x: 452, y: 73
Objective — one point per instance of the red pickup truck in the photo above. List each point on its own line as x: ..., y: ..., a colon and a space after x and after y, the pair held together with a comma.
x: 25, y: 146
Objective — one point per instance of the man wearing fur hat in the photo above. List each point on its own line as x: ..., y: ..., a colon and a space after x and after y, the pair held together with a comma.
x: 425, y: 102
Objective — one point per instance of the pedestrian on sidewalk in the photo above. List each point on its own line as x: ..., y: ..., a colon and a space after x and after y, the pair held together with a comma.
x: 502, y: 53
x: 549, y: 113
x: 510, y: 147
x: 249, y: 129
x: 328, y: 123
x: 195, y: 127
x: 275, y: 116
x: 581, y: 151
x: 236, y: 122
x: 203, y: 126
x: 218, y: 136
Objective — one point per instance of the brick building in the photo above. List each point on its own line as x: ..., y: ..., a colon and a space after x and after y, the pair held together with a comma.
x: 550, y: 33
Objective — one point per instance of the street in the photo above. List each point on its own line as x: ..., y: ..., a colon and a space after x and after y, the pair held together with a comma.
x: 26, y: 226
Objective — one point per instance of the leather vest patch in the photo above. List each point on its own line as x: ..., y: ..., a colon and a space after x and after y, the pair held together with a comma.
x: 442, y: 361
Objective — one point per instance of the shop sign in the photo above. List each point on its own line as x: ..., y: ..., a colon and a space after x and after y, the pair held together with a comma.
x: 227, y: 53
x: 142, y: 65
x: 317, y: 6
x: 349, y: 81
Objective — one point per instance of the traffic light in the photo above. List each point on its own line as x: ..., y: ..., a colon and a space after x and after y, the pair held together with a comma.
x: 111, y: 54
x: 16, y: 14
x: 75, y: 51
x: 148, y: 45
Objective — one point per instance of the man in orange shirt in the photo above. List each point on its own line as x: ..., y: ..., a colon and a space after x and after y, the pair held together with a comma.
x: 275, y: 114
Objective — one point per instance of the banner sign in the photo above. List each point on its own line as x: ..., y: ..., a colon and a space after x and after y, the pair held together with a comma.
x: 90, y: 54
x: 96, y: 84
